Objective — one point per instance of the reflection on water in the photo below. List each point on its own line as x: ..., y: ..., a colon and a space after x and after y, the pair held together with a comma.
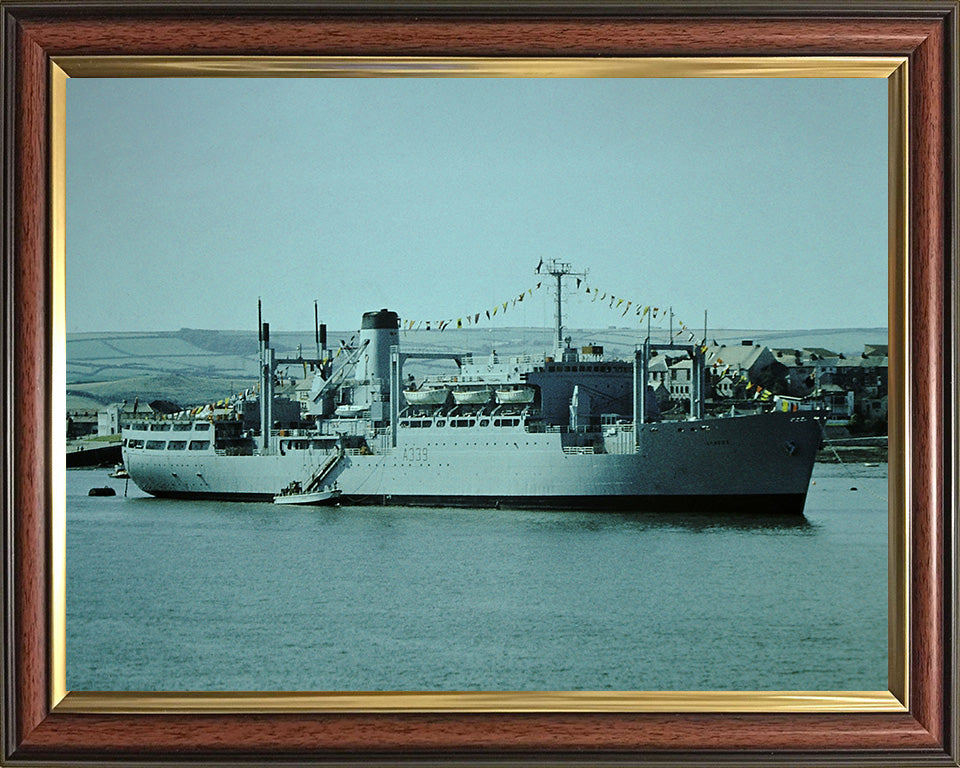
x: 694, y: 521
x: 560, y: 519
x: 709, y: 521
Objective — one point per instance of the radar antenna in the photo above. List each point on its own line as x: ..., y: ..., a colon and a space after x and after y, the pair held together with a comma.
x: 559, y: 270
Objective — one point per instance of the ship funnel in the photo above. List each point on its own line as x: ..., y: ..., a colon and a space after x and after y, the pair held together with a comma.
x: 381, y: 330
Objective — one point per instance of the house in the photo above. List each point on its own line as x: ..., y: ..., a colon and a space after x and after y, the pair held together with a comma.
x: 838, y: 401
x: 749, y: 360
x: 680, y: 379
x: 725, y: 386
x: 728, y: 365
x: 657, y: 370
x: 780, y: 353
x: 108, y: 420
x: 808, y: 369
x: 875, y: 377
x: 819, y: 353
x: 873, y: 407
x: 847, y: 386
x: 843, y: 372
x: 116, y: 415
x: 301, y: 392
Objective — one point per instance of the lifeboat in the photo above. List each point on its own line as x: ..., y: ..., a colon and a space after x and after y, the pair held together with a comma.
x: 521, y: 395
x: 426, y: 396
x: 471, y: 396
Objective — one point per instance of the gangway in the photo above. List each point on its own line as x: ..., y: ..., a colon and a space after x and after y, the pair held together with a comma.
x: 325, y: 469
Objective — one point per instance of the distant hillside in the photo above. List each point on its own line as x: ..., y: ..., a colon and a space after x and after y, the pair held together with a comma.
x: 195, y: 366
x: 179, y: 388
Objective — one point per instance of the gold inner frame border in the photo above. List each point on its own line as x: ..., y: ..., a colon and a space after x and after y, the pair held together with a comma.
x: 895, y: 699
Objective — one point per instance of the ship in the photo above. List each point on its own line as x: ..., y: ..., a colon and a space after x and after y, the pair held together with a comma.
x: 565, y: 429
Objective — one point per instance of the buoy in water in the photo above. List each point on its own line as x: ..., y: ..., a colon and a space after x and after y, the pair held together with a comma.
x: 105, y: 491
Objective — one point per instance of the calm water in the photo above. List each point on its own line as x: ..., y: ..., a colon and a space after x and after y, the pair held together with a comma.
x: 211, y: 596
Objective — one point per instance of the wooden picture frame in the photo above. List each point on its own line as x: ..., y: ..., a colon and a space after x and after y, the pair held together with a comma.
x: 38, y: 729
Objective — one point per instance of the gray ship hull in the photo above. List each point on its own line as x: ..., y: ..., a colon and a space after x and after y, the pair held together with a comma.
x: 760, y: 463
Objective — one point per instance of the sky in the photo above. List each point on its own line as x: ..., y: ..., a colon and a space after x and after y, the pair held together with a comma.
x: 763, y: 201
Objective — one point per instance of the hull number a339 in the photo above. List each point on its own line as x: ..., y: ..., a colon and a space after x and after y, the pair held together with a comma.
x: 414, y: 454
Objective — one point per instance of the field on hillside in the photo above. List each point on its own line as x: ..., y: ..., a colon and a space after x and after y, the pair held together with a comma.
x: 192, y: 366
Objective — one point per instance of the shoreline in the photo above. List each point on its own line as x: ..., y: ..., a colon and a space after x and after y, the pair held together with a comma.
x: 841, y: 454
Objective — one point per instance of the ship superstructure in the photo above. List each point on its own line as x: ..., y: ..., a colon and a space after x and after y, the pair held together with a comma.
x: 564, y: 429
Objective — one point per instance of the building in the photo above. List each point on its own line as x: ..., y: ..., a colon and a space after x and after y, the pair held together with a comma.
x: 725, y: 387
x: 819, y: 353
x: 848, y: 386
x: 837, y: 400
x: 114, y: 416
x: 302, y: 392
x: 108, y: 420
x: 728, y: 366
x: 679, y: 379
x: 726, y: 369
x: 747, y: 359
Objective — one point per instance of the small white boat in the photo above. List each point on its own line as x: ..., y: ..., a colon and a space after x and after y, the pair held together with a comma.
x: 471, y: 396
x: 327, y: 496
x: 516, y: 395
x: 119, y: 472
x: 426, y: 396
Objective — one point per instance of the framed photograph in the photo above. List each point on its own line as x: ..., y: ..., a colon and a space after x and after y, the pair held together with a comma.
x: 124, y: 129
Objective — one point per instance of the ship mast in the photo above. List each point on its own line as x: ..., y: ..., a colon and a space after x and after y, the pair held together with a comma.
x: 559, y: 270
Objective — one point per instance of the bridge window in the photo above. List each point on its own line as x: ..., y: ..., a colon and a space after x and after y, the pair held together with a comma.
x: 155, y: 445
x: 199, y: 445
x: 177, y: 445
